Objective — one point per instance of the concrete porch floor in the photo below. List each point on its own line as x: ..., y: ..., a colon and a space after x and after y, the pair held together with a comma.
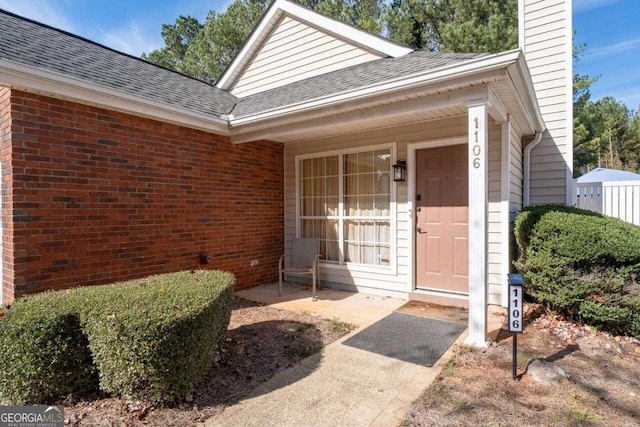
x: 356, y: 308
x: 341, y: 385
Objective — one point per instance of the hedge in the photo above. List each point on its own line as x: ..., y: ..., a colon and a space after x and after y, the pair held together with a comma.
x: 44, y: 354
x: 582, y: 264
x: 150, y: 339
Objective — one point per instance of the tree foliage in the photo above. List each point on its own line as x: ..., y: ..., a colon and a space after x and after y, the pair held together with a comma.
x: 606, y: 133
x: 454, y: 25
x: 205, y: 50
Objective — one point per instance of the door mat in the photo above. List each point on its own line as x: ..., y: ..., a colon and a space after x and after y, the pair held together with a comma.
x: 413, y: 339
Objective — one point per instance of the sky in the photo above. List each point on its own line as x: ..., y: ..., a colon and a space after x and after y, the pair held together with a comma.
x: 610, y: 30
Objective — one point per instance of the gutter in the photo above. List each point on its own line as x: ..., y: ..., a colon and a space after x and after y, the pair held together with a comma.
x: 527, y: 168
x: 36, y: 80
x: 471, y: 67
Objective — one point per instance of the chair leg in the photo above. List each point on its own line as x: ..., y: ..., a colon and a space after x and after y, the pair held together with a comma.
x: 314, y: 297
x: 280, y: 283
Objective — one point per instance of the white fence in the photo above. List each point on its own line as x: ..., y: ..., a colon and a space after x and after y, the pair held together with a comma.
x: 619, y: 199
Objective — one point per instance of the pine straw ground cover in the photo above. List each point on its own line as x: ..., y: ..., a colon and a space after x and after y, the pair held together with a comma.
x: 261, y: 341
x: 476, y: 388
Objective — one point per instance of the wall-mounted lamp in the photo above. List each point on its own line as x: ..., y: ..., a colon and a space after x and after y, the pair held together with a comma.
x: 400, y: 171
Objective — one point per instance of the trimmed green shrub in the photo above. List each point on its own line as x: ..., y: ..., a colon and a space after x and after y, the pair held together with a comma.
x: 150, y: 339
x: 153, y: 339
x: 44, y: 354
x: 582, y: 264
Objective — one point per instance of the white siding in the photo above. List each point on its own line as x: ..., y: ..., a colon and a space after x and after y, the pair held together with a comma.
x: 294, y: 51
x: 493, y: 218
x: 546, y: 40
x: 515, y: 199
x: 397, y: 279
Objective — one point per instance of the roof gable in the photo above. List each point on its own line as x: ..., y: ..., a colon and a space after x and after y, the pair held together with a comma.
x: 292, y: 43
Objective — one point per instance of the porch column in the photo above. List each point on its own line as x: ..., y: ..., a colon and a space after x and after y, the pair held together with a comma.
x: 478, y: 196
x: 505, y: 211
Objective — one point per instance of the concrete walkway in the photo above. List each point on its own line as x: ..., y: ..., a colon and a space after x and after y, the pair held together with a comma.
x: 340, y: 386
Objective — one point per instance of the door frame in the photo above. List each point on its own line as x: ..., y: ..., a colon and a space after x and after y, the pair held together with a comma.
x: 411, y: 203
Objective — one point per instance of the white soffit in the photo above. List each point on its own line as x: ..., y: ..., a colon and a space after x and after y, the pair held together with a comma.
x: 377, y: 46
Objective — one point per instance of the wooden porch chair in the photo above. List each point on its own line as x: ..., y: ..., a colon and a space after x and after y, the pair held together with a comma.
x: 305, y: 259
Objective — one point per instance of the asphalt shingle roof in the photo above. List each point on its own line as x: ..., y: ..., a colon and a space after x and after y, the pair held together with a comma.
x: 30, y: 43
x: 349, y: 78
x: 38, y: 45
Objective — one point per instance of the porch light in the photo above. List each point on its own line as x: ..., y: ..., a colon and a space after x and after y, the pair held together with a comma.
x: 400, y: 171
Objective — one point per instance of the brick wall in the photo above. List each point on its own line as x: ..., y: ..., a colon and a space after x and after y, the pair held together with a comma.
x: 5, y: 166
x: 94, y: 196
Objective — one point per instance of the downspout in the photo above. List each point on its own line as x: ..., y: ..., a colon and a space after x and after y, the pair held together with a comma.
x: 527, y: 168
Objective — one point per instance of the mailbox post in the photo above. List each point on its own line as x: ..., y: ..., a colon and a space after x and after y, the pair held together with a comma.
x: 516, y: 282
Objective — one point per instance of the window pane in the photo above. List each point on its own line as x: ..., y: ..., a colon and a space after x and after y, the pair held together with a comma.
x: 382, y: 161
x: 307, y: 169
x: 332, y: 206
x: 350, y: 185
x: 351, y: 231
x: 318, y: 167
x: 332, y: 229
x: 367, y: 242
x: 365, y: 162
x: 350, y: 164
x: 381, y: 206
x: 366, y: 196
x: 307, y: 188
x: 365, y: 184
x: 332, y: 166
x: 367, y: 231
x: 383, y: 255
x: 333, y: 251
x: 318, y: 186
x: 307, y: 206
x: 350, y: 252
x: 332, y: 186
x: 365, y: 206
x: 381, y: 183
x: 307, y: 228
x: 368, y: 254
x: 320, y: 228
x: 318, y: 206
x: 350, y: 206
x: 383, y: 231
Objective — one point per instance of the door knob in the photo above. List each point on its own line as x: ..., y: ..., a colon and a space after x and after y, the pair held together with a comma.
x: 419, y: 230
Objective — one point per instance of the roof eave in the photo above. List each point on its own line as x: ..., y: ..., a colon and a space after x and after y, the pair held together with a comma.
x: 522, y: 85
x: 50, y: 83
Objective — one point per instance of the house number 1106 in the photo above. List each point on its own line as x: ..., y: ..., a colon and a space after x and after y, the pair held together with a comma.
x: 476, y: 146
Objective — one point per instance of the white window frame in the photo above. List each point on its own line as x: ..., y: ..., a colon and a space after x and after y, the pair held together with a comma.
x: 392, y: 268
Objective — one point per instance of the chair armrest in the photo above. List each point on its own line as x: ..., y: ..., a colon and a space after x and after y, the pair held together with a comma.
x: 316, y: 260
x: 281, y: 263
